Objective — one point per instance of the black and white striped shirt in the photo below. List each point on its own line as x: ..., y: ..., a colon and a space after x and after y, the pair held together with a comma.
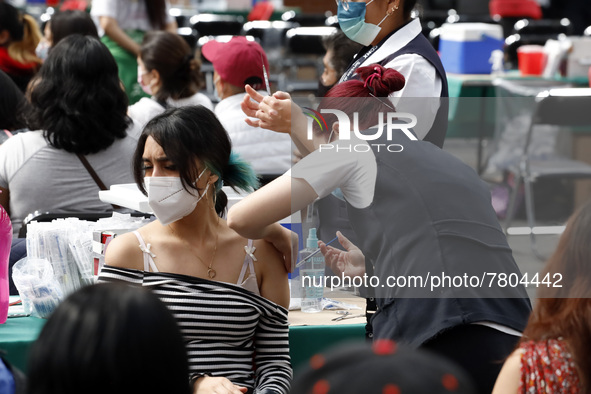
x: 229, y: 331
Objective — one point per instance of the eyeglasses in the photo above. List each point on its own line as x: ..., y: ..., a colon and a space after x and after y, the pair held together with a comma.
x: 345, y: 4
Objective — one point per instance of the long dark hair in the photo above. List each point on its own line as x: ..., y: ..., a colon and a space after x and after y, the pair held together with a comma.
x: 566, y: 311
x: 77, y: 99
x: 192, y: 133
x: 156, y: 13
x: 174, y: 60
x: 109, y: 338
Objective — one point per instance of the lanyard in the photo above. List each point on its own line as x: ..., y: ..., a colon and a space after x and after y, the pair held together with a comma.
x: 348, y: 75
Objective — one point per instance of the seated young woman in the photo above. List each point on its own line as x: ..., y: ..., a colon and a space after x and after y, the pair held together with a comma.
x: 229, y: 294
x: 170, y: 73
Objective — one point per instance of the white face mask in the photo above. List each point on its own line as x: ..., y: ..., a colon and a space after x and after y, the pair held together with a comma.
x: 168, y: 198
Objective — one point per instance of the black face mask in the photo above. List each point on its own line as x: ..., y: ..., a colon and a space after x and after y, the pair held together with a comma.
x: 322, y: 89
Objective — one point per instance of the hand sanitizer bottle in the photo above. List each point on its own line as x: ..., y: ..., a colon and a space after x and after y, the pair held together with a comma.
x: 312, y: 274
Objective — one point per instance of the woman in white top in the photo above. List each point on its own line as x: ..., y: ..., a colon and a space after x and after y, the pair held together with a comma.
x: 394, y: 40
x: 122, y: 25
x: 169, y: 72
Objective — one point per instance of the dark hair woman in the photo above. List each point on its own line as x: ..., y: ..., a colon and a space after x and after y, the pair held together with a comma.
x: 77, y: 107
x: 122, y: 25
x: 169, y: 71
x: 198, y: 265
x: 558, y: 334
x: 19, y: 36
x: 109, y: 338
x: 65, y: 23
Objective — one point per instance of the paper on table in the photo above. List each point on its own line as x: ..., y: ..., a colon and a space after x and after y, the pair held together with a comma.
x: 126, y: 195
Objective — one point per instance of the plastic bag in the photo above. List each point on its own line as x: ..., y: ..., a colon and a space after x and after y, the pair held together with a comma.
x: 40, y: 292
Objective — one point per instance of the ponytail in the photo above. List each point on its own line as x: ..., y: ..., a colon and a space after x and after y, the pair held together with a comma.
x: 375, y: 80
x: 363, y: 96
x: 23, y: 50
x: 239, y: 175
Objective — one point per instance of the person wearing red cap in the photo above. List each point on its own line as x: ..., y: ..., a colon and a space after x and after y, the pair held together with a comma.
x: 237, y: 63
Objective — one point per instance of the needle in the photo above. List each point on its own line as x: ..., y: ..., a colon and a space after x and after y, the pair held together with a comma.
x: 266, y: 76
x: 316, y: 252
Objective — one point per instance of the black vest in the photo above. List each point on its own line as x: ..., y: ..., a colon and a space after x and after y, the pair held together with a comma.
x: 431, y: 213
x: 420, y: 46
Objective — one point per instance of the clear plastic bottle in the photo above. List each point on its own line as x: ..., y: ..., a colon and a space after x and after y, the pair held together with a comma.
x: 312, y: 274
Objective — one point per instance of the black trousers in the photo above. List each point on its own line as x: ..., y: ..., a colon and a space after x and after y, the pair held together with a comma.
x: 479, y: 350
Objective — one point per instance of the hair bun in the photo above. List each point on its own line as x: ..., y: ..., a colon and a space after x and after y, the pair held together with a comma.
x: 381, y: 81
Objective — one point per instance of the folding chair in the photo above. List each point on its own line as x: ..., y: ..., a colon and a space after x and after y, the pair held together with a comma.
x: 569, y: 107
x: 305, y: 51
x: 217, y: 25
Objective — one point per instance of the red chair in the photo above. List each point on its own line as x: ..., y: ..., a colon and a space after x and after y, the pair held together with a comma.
x: 262, y: 11
x: 80, y: 5
x: 515, y: 9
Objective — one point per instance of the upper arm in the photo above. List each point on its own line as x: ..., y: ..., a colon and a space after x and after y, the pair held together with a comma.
x: 107, y: 23
x: 510, y: 376
x: 274, y: 285
x: 123, y: 251
x: 5, y: 199
x: 271, y: 203
x: 421, y: 79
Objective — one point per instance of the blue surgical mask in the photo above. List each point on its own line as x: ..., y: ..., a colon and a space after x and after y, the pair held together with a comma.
x: 352, y: 21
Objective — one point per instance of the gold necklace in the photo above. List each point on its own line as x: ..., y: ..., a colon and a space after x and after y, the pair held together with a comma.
x: 211, y: 273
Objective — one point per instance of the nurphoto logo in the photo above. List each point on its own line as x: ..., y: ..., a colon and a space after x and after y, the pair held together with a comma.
x: 387, y: 122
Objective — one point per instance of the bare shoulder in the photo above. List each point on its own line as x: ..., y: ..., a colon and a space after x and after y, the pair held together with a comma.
x: 274, y: 285
x: 124, y: 252
x: 510, y: 376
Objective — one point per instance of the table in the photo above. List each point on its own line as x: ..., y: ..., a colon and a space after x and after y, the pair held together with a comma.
x: 308, y: 334
x: 472, y: 104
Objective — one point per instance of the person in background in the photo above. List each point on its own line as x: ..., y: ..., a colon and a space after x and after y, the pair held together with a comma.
x: 122, y: 25
x: 237, y: 63
x: 65, y: 23
x: 340, y: 51
x: 385, y: 367
x: 229, y: 294
x: 12, y: 102
x: 417, y: 211
x: 394, y: 40
x: 553, y: 354
x: 109, y: 338
x: 78, y: 111
x: 169, y: 72
x: 19, y: 36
